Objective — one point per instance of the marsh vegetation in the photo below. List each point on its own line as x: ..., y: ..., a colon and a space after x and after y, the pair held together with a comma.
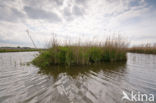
x: 145, y: 48
x: 18, y: 50
x: 112, y: 50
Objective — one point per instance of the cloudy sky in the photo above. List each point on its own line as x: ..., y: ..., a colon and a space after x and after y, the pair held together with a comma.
x: 76, y: 19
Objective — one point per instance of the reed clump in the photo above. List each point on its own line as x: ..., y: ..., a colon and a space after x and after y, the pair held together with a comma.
x: 112, y: 50
x: 146, y: 49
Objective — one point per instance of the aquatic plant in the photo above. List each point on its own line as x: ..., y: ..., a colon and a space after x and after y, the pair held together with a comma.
x: 19, y: 50
x: 112, y: 50
x: 145, y: 48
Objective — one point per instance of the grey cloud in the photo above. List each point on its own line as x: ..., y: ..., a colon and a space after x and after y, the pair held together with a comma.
x: 35, y: 9
x: 58, y: 2
x: 78, y: 11
x: 10, y: 14
x: 43, y: 3
x: 71, y: 13
x: 81, y: 2
x: 35, y: 13
x: 67, y: 12
x: 68, y: 15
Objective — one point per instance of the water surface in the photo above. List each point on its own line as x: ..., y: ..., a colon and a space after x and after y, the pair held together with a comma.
x: 104, y: 83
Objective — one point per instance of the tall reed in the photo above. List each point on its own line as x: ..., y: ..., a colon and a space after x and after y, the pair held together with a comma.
x: 146, y: 48
x: 112, y: 50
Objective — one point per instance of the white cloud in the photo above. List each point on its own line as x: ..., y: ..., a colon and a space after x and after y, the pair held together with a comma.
x: 75, y: 18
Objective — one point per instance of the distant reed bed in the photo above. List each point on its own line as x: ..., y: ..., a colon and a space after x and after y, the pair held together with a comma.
x: 19, y: 50
x: 146, y: 48
x: 112, y: 50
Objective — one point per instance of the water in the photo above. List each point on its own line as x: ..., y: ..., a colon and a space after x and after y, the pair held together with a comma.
x: 21, y: 82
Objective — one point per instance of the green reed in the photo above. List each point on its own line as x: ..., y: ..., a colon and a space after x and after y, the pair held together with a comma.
x: 112, y: 50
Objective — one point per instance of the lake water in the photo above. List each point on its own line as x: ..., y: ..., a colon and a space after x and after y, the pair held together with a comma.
x: 103, y: 83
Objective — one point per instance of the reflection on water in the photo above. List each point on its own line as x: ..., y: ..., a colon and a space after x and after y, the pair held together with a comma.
x: 102, y: 83
x: 76, y: 71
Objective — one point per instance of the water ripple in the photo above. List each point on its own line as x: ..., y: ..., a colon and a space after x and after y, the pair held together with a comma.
x: 21, y: 83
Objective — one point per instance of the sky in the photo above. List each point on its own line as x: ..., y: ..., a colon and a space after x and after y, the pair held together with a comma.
x: 85, y: 20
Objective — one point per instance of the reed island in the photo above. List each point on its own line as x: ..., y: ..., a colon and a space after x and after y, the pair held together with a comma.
x: 112, y: 50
